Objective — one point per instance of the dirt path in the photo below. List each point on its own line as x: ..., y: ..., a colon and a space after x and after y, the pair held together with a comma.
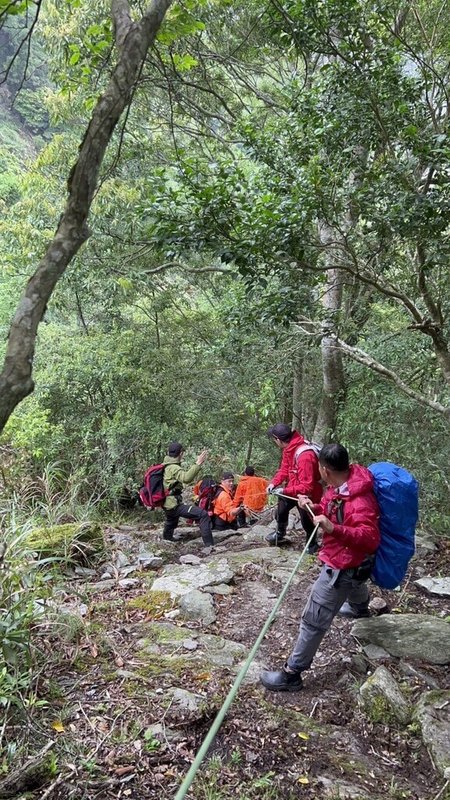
x: 125, y: 727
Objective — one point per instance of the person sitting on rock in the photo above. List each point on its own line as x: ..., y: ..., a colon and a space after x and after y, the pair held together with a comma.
x: 225, y: 510
x: 251, y: 493
x: 299, y: 470
x: 174, y: 479
x: 348, y: 516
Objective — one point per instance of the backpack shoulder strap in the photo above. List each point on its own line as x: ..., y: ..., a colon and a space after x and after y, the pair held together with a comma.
x: 316, y: 448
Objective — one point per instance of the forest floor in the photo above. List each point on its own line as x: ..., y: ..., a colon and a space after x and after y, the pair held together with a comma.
x: 119, y: 733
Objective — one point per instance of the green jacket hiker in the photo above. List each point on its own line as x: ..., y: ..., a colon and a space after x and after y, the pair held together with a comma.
x: 175, y: 477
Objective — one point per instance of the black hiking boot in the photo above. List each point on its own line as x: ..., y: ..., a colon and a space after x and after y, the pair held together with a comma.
x: 351, y: 612
x: 275, y: 537
x: 281, y: 681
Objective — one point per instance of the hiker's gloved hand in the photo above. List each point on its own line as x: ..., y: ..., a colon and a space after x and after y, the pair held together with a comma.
x: 277, y: 490
x: 270, y: 488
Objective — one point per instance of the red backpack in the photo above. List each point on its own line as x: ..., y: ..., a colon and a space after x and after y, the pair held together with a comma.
x: 152, y: 492
x: 208, y: 494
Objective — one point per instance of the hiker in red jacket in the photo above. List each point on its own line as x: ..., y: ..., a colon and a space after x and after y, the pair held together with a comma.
x: 348, y: 516
x: 299, y: 471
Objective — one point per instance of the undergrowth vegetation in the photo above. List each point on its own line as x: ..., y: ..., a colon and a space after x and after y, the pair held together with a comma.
x: 25, y: 588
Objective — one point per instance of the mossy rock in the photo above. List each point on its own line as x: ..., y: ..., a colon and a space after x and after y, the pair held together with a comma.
x: 155, y: 604
x: 81, y: 542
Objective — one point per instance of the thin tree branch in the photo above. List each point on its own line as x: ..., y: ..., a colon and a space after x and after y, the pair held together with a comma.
x: 312, y: 328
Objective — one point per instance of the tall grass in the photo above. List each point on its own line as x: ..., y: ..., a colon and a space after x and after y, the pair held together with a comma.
x: 25, y: 586
x: 57, y: 497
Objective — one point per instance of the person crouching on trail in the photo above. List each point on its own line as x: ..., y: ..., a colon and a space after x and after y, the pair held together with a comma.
x: 299, y: 470
x: 348, y: 515
x: 225, y: 510
x: 174, y: 508
x: 251, y: 493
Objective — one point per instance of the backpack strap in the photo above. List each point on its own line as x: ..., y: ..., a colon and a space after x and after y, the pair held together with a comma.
x: 316, y: 448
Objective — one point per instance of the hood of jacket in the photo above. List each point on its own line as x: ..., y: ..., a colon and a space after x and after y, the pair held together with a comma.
x: 172, y: 460
x: 296, y: 441
x: 359, y: 481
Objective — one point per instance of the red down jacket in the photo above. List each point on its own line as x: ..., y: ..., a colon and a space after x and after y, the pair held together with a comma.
x: 301, y: 475
x: 358, y: 535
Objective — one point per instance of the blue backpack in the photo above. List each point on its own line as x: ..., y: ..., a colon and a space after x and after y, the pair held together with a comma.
x: 397, y: 493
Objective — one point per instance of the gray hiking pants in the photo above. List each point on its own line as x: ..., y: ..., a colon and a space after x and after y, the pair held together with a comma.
x: 331, y: 589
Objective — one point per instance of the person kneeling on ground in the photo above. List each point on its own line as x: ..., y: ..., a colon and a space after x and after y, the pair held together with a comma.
x: 174, y: 508
x: 299, y: 470
x: 251, y: 493
x: 225, y: 510
x: 348, y: 515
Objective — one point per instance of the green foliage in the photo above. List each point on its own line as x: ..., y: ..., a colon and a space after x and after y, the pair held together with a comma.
x: 30, y: 105
x: 179, y: 317
x: 24, y: 588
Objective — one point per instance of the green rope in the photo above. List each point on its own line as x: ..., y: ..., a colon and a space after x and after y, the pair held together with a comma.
x: 187, y: 782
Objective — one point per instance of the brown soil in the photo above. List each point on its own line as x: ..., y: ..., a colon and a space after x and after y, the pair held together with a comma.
x: 269, y: 746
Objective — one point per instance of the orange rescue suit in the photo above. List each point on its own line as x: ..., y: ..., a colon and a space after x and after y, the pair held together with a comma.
x: 251, y: 492
x: 223, y: 504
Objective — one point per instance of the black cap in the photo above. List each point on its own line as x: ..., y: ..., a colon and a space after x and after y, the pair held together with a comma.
x: 249, y: 471
x: 227, y: 476
x: 281, y: 431
x: 175, y: 449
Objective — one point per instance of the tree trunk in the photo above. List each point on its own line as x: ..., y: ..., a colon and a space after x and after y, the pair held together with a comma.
x: 249, y: 449
x: 297, y: 423
x: 133, y: 41
x: 333, y: 388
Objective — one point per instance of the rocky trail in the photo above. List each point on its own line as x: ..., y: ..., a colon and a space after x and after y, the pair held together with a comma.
x: 147, y: 644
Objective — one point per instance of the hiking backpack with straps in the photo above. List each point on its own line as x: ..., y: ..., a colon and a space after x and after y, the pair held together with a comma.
x: 152, y: 492
x: 397, y: 493
x: 209, y: 490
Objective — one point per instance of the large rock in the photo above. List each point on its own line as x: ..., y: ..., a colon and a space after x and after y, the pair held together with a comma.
x: 412, y: 636
x: 439, y: 586
x: 275, y: 562
x: 381, y: 698
x: 75, y: 541
x: 333, y: 788
x: 166, y: 640
x: 425, y: 545
x: 180, y: 579
x: 257, y: 532
x: 433, y: 714
x: 197, y: 605
x: 182, y: 700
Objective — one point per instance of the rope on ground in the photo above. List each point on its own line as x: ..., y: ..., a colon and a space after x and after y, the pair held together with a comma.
x: 190, y: 775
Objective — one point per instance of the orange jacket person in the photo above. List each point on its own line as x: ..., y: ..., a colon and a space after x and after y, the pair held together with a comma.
x: 251, y: 491
x: 224, y: 506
